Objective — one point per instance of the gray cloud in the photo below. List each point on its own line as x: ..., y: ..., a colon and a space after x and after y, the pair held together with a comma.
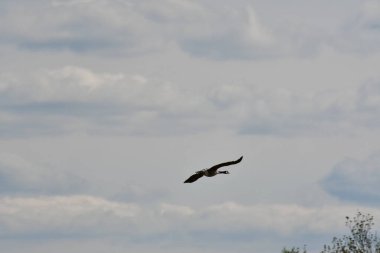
x: 112, y: 27
x: 326, y: 113
x: 227, y: 30
x: 355, y: 180
x: 361, y: 34
x: 219, y: 31
x: 24, y: 177
x: 20, y: 176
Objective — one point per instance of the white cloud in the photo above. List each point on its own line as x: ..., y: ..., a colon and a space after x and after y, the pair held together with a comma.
x: 64, y: 215
x: 355, y: 180
x: 74, y: 99
x: 230, y: 33
x: 84, y: 215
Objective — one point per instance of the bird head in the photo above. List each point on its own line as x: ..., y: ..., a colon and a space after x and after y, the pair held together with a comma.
x: 224, y: 172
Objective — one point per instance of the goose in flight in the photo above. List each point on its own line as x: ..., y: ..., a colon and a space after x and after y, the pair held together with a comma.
x: 211, y: 171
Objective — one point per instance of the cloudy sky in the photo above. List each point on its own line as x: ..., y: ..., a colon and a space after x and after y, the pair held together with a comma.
x: 107, y: 106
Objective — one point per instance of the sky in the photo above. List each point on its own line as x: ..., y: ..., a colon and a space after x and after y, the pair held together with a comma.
x: 107, y: 106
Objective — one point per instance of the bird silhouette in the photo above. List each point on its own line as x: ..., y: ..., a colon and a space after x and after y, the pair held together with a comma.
x: 213, y: 171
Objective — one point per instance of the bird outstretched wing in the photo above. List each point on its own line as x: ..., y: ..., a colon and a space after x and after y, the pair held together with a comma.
x: 215, y: 167
x: 194, y: 177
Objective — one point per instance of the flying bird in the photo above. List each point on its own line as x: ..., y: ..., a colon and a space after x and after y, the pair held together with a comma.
x: 211, y: 171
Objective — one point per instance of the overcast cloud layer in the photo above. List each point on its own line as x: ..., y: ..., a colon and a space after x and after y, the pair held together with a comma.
x: 107, y: 106
x: 229, y: 30
x: 77, y: 99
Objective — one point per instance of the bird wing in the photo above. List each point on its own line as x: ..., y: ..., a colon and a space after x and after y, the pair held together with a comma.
x: 215, y: 167
x: 194, y: 177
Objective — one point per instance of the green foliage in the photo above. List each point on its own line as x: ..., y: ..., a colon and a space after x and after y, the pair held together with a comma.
x: 293, y: 250
x: 360, y: 240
